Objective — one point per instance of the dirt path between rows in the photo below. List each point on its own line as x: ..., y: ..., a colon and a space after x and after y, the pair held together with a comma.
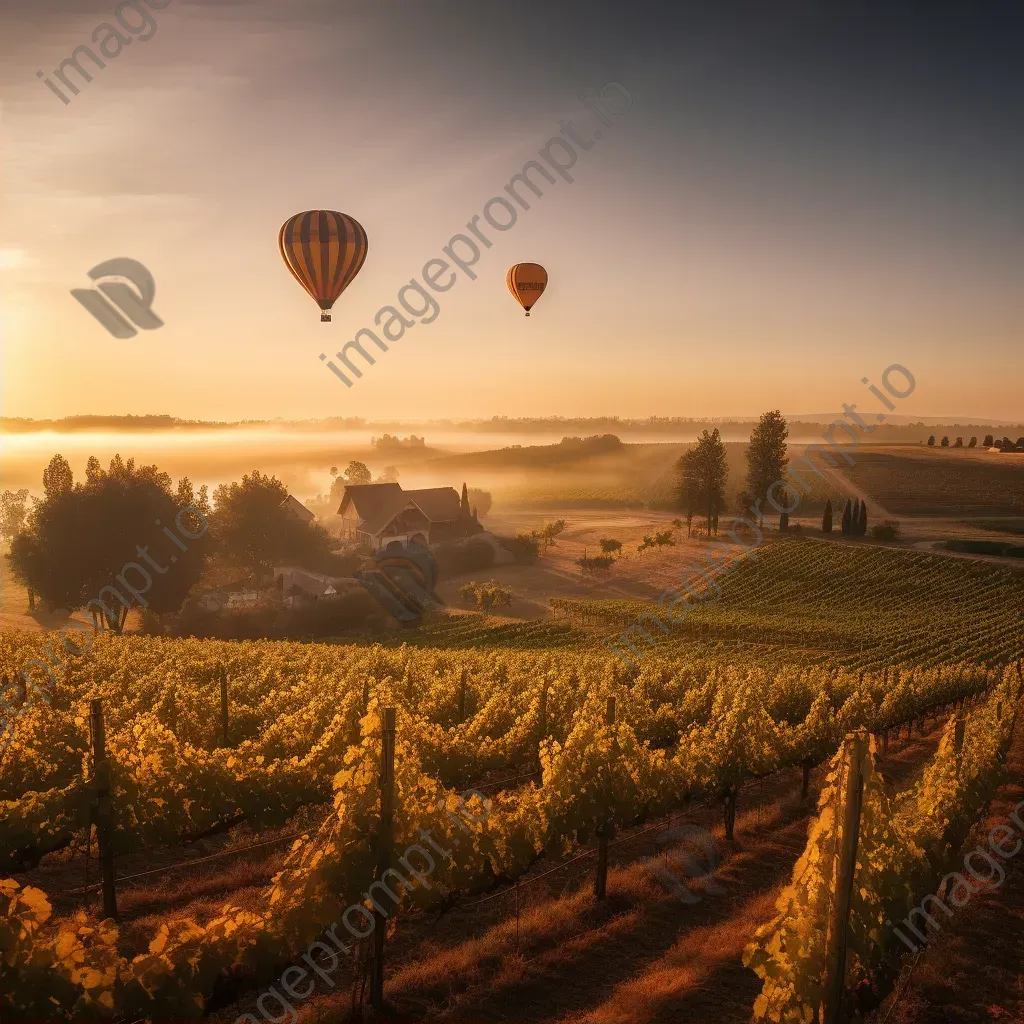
x: 972, y: 971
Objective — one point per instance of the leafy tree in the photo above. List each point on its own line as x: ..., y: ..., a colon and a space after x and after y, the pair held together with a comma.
x: 973, y: 443
x: 389, y: 476
x: 989, y: 441
x: 251, y: 527
x: 847, y: 517
x: 703, y: 472
x: 334, y: 471
x: 357, y: 473
x: 931, y: 441
x: 90, y: 542
x: 12, y: 513
x: 826, y: 519
x: 480, y: 500
x: 611, y: 547
x: 944, y: 443
x: 1020, y: 442
x: 766, y: 456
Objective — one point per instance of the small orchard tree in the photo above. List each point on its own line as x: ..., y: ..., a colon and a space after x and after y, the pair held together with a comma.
x: 549, y: 533
x: 931, y: 441
x: 989, y: 441
x: 973, y: 443
x: 958, y: 443
x: 945, y: 442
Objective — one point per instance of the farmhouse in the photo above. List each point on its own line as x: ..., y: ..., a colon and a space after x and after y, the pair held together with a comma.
x: 383, y: 514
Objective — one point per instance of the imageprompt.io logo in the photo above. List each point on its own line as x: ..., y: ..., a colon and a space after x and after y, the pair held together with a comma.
x: 132, y: 303
x: 680, y: 871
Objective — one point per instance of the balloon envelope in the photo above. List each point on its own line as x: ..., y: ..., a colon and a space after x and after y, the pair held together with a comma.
x: 527, y: 281
x: 324, y: 250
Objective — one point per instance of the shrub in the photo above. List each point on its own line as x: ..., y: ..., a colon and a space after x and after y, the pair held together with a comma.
x: 611, y: 547
x: 931, y: 441
x: 487, y: 595
x: 595, y: 562
x: 888, y: 530
x: 973, y: 443
x: 355, y: 611
x: 958, y: 443
x: 944, y: 443
x: 524, y: 547
x: 454, y: 559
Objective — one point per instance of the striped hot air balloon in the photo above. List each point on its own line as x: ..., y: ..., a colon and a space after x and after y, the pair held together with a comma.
x: 527, y: 281
x: 324, y: 250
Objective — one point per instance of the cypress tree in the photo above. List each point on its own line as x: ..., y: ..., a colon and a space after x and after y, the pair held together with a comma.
x: 465, y: 499
x: 826, y: 519
x: 847, y: 517
x: 783, y: 522
x: 863, y: 524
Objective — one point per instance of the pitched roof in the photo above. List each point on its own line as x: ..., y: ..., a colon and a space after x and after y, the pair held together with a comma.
x: 297, y: 509
x: 438, y: 504
x: 375, y: 504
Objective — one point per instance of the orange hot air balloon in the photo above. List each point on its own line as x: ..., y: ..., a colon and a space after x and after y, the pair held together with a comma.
x: 324, y: 250
x: 527, y: 281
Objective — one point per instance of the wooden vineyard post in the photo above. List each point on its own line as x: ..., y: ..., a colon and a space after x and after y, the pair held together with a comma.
x: 805, y: 782
x: 731, y: 796
x: 224, y: 706
x: 835, y: 953
x: 601, y: 878
x: 101, y: 778
x: 387, y: 793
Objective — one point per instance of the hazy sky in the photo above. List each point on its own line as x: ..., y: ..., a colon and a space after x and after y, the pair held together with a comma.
x: 800, y: 195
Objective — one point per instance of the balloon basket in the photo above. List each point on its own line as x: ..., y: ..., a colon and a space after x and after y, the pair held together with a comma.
x: 325, y: 318
x: 527, y: 312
